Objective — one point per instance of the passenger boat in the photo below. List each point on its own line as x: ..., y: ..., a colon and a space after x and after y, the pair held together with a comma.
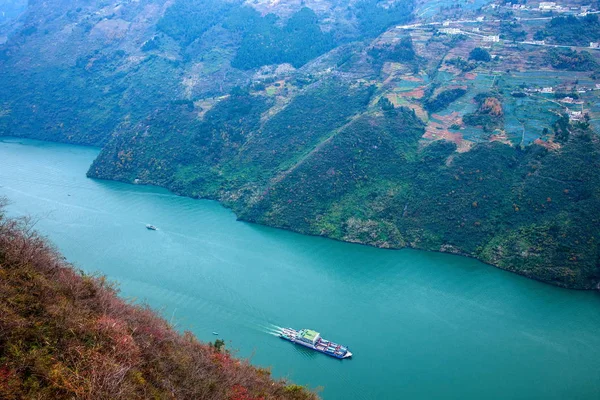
x: 151, y: 227
x: 313, y: 340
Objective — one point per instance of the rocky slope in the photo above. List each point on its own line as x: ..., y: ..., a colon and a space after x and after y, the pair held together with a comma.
x: 326, y: 118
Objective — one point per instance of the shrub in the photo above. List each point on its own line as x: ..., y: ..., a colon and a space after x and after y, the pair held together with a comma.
x: 443, y: 99
x: 479, y: 54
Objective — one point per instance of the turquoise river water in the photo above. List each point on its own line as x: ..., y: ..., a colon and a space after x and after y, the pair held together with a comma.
x: 421, y: 325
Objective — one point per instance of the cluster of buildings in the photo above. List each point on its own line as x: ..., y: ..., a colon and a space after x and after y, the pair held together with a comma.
x: 570, y: 100
x: 552, y: 6
x: 549, y: 6
x: 552, y: 90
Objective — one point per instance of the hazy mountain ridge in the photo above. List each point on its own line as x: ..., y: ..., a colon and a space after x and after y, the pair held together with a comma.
x: 413, y: 138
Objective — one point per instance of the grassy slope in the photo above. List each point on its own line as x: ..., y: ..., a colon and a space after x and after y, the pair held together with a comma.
x: 66, y: 335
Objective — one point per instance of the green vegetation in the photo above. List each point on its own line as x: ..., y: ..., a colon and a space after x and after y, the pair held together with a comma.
x: 322, y: 166
x: 298, y: 42
x: 522, y: 210
x: 263, y: 41
x: 479, y: 54
x: 65, y: 335
x: 562, y: 129
x: 570, y: 30
x: 461, y: 64
x: 322, y: 192
x: 401, y: 52
x: 489, y: 114
x: 375, y: 16
x: 228, y: 148
x: 443, y: 99
x: 512, y: 31
x: 571, y: 60
x: 185, y: 22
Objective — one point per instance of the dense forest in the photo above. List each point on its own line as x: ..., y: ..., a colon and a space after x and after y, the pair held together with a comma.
x: 571, y: 30
x: 375, y: 16
x: 298, y: 42
x: 263, y: 40
x: 571, y: 60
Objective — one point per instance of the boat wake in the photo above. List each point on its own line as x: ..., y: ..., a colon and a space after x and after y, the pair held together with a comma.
x: 272, y: 329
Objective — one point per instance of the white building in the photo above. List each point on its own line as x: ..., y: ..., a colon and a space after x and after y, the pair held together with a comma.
x: 594, y: 45
x: 547, y: 90
x: 491, y: 38
x: 576, y: 115
x: 450, y: 31
x: 547, y: 5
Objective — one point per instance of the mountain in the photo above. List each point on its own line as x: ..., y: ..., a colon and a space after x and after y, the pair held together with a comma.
x: 389, y: 123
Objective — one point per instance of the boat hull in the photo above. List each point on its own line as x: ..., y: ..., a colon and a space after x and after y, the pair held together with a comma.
x: 288, y: 335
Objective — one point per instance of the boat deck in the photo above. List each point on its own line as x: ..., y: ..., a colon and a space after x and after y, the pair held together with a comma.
x: 322, y: 345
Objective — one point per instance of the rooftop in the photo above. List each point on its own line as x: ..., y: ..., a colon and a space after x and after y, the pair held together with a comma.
x: 309, y: 334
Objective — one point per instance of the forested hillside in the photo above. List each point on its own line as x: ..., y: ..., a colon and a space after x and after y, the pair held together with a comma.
x: 397, y: 123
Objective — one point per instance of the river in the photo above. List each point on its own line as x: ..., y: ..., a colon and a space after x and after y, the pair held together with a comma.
x: 421, y: 325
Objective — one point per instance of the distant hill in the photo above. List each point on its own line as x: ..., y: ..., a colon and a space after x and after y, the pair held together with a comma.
x: 65, y: 335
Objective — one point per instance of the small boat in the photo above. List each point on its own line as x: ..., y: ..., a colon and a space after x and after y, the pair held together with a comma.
x: 215, y: 333
x: 312, y: 340
x: 151, y: 227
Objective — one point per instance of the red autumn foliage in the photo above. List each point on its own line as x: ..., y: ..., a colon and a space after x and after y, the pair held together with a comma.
x: 67, y: 335
x: 492, y: 106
